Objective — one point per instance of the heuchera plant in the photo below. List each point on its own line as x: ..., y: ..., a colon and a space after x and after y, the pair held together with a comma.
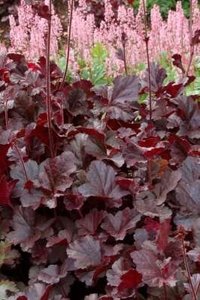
x: 104, y: 205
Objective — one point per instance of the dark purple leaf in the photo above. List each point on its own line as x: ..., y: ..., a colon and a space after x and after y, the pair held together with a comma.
x: 54, y: 174
x: 133, y: 153
x: 146, y: 205
x: 86, y: 252
x: 3, y: 158
x: 101, y: 182
x: 29, y: 171
x: 6, y: 188
x: 188, y: 189
x: 125, y: 89
x: 89, y: 224
x: 118, y: 225
x: 124, y: 98
x: 64, y: 237
x: 196, y: 38
x: 177, y: 61
x: 154, y: 272
x: 73, y: 201
x: 158, y: 76
x: 24, y: 231
x: 168, y: 183
x: 36, y: 291
x: 163, y: 236
x: 52, y: 274
x: 42, y: 10
x: 190, y: 113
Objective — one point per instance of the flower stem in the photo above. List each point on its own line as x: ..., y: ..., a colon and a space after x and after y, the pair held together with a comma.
x: 190, y: 35
x: 48, y: 83
x: 146, y: 40
x: 21, y: 160
x: 68, y: 43
x: 165, y: 291
x: 194, y: 296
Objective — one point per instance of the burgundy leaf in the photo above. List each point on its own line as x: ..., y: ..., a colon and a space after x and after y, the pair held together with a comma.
x: 194, y: 254
x: 195, y: 281
x: 86, y: 252
x: 64, y: 237
x: 133, y: 153
x: 42, y: 10
x: 190, y: 115
x: 188, y: 189
x: 97, y: 134
x: 125, y: 89
x: 168, y: 183
x: 196, y: 38
x: 24, y: 231
x: 177, y: 61
x: 158, y: 76
x: 101, y: 182
x: 76, y: 103
x: 46, y: 294
x: 73, y: 201
x: 55, y: 172
x: 117, y: 225
x: 130, y: 279
x: 29, y: 171
x: 124, y: 98
x: 114, y: 275
x: 31, y: 197
x: 179, y: 149
x: 89, y: 224
x: 146, y: 205
x: 37, y: 291
x: 162, y: 239
x: 51, y: 275
x: 6, y: 188
x: 84, y: 85
x: 173, y: 89
x: 154, y: 272
x: 16, y: 57
x: 3, y: 158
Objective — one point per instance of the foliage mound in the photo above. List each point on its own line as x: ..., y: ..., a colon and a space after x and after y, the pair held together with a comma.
x: 104, y: 204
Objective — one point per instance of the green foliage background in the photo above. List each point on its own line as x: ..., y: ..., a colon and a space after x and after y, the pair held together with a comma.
x: 165, y: 5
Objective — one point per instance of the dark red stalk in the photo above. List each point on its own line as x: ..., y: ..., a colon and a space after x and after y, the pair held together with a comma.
x: 146, y: 40
x: 124, y: 40
x: 149, y: 172
x: 68, y: 43
x: 6, y: 113
x: 165, y: 291
x: 48, y: 82
x: 21, y: 161
x: 194, y: 296
x: 191, y: 35
x: 125, y: 62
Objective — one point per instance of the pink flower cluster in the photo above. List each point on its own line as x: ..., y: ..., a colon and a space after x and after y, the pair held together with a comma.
x: 170, y: 36
x: 28, y: 35
x: 165, y: 36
